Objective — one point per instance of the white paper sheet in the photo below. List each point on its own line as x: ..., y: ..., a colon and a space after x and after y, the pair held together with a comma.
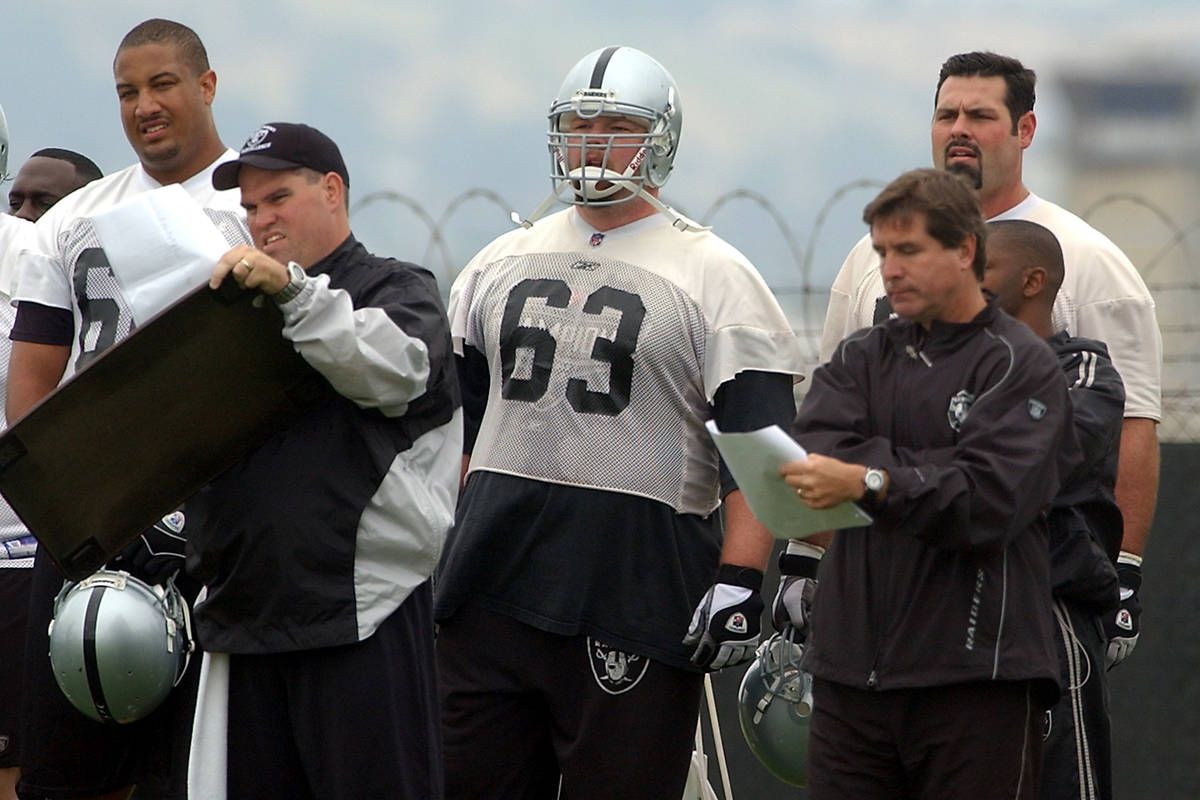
x: 754, y: 458
x: 160, y: 245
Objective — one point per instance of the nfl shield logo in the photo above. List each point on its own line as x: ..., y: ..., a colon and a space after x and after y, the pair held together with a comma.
x: 596, y: 239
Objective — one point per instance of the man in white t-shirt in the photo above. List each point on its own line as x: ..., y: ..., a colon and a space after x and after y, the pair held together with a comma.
x: 69, y: 309
x: 983, y: 122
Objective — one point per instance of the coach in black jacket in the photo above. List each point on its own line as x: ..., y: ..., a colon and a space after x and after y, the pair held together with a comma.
x: 931, y: 639
x: 1025, y: 270
x: 317, y: 548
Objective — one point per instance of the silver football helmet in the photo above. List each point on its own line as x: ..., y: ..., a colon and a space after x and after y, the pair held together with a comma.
x: 3, y: 146
x: 118, y: 645
x: 615, y: 81
x: 622, y: 82
x: 774, y: 707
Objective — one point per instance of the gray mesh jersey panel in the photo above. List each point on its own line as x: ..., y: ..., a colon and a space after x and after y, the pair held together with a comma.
x: 596, y: 378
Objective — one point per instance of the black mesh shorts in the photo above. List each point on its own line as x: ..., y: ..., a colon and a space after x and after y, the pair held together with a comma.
x: 522, y: 707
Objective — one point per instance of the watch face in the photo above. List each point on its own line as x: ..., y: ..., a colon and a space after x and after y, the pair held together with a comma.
x: 873, y: 480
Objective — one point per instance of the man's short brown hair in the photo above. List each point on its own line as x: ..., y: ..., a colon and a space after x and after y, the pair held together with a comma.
x: 951, y: 209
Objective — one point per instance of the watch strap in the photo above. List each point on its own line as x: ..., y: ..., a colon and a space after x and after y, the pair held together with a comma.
x: 870, y: 497
x: 296, y: 280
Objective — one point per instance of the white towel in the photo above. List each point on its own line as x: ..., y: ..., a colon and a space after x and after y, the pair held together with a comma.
x: 210, y: 743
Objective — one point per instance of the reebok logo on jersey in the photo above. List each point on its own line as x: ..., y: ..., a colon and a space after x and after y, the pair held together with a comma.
x: 1037, y: 409
x: 737, y: 623
x: 590, y: 266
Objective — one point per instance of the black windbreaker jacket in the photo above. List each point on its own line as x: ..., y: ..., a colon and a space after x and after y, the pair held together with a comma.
x: 1086, y: 525
x: 316, y: 536
x: 951, y: 581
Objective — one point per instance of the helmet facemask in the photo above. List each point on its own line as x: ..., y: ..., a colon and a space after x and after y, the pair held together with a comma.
x: 651, y: 149
x: 774, y: 708
x: 783, y: 680
x: 3, y: 147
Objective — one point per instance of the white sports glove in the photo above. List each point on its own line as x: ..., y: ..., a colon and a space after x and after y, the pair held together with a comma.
x: 726, y: 624
x: 797, y: 586
x: 1124, y: 625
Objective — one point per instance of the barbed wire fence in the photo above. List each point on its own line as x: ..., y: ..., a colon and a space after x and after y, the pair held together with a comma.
x: 1168, y: 274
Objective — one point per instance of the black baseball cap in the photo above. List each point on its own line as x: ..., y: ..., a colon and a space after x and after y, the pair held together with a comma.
x: 283, y: 145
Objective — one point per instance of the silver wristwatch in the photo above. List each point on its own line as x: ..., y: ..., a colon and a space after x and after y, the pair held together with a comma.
x: 872, y: 485
x: 297, y: 277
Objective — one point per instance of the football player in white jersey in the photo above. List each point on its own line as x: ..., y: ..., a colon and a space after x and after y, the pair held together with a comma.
x: 589, y: 581
x: 69, y: 309
x: 46, y: 177
x: 983, y: 121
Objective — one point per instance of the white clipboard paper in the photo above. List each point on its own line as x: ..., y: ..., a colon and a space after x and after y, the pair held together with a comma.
x: 754, y: 458
x: 160, y: 245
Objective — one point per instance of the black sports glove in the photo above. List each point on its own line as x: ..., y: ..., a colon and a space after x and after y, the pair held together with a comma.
x: 157, y: 554
x: 797, y: 586
x: 1124, y: 625
x: 726, y: 624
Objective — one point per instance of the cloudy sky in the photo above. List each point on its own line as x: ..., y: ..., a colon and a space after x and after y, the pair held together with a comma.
x: 790, y: 102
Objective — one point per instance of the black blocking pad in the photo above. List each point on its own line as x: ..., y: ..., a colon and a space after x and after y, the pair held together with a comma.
x: 151, y: 421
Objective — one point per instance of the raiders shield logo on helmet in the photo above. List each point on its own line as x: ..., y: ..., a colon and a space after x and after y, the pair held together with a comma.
x: 616, y: 671
x: 960, y: 406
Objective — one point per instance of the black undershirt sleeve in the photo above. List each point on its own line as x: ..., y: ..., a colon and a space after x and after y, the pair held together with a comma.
x: 41, y: 324
x: 473, y: 383
x: 750, y: 401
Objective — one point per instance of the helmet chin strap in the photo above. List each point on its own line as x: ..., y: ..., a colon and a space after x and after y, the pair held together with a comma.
x: 538, y: 212
x: 676, y: 220
x: 618, y: 182
x: 582, y: 178
x: 588, y: 180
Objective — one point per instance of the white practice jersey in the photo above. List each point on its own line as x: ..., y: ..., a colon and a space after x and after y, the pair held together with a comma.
x: 65, y: 266
x: 606, y: 349
x: 16, y: 544
x: 1102, y: 297
x: 14, y: 232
